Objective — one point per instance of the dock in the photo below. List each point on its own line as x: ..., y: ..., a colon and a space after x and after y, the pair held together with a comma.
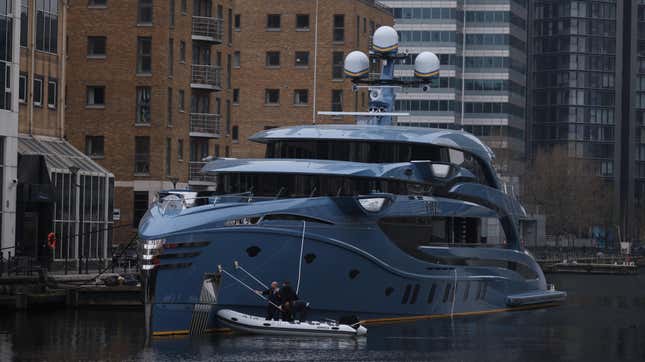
x: 622, y: 268
x: 65, y: 291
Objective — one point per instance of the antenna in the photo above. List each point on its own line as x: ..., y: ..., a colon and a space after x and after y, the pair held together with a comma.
x: 384, y: 48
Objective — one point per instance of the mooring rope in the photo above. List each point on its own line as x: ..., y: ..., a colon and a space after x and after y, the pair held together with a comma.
x: 238, y: 266
x: 248, y: 287
x: 302, y: 246
x: 454, y: 295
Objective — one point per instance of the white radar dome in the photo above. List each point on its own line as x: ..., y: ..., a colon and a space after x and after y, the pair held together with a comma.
x: 426, y: 65
x: 357, y: 64
x: 385, y: 40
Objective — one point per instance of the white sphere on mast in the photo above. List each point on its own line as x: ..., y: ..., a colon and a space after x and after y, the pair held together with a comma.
x: 385, y: 40
x: 357, y: 64
x: 426, y: 65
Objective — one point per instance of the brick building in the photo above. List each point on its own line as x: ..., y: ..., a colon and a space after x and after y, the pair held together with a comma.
x: 147, y: 85
x: 282, y: 76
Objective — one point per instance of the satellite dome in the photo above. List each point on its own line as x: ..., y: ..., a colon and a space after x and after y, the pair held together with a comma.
x: 385, y: 40
x: 357, y: 64
x: 426, y: 65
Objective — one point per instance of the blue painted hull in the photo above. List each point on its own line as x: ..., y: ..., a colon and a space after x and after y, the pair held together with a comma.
x: 348, y: 267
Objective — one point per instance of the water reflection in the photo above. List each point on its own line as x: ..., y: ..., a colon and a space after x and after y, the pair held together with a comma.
x: 604, y: 319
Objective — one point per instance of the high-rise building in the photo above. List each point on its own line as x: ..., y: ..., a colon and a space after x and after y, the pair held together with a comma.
x: 148, y: 85
x: 587, y: 92
x: 482, y: 86
x: 288, y: 64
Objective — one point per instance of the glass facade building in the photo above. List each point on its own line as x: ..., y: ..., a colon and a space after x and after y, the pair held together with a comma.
x: 588, y: 92
x: 481, y: 45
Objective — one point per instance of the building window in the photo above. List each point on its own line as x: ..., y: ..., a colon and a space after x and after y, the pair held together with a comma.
x: 47, y: 26
x: 171, y: 57
x: 96, y: 46
x: 339, y: 28
x: 181, y: 101
x: 22, y: 88
x: 272, y: 96
x: 182, y: 51
x: 95, y: 95
x: 302, y: 21
x: 184, y: 7
x: 302, y: 59
x: 337, y: 65
x: 140, y: 207
x: 227, y: 151
x: 238, y: 22
x: 38, y: 91
x: 216, y: 151
x: 144, y: 55
x: 235, y: 134
x: 169, y: 110
x: 228, y: 71
x: 145, y: 12
x: 180, y: 149
x: 141, y: 155
x: 236, y: 96
x: 24, y: 23
x: 337, y: 100
x: 236, y: 59
x: 171, y: 15
x: 99, y: 3
x: 273, y: 22
x: 273, y: 59
x: 168, y: 156
x: 300, y: 96
x: 228, y: 117
x: 230, y: 26
x: 52, y: 90
x: 143, y: 105
x: 94, y: 146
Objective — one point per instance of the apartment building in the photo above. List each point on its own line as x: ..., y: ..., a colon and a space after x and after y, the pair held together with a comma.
x: 58, y: 188
x: 588, y: 93
x: 146, y: 85
x: 288, y: 64
x: 482, y: 84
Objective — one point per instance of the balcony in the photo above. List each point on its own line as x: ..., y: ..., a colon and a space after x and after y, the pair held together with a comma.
x: 208, y: 29
x: 204, y: 125
x: 207, y: 77
x: 196, y: 177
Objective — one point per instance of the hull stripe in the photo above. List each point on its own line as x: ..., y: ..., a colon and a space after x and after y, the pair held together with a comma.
x: 392, y: 320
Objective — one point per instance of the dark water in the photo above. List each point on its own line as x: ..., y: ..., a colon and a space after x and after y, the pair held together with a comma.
x: 603, y: 320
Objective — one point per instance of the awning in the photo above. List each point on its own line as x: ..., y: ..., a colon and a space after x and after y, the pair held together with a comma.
x: 59, y: 155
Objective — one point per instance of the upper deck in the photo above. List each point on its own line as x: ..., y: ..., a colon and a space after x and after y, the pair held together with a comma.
x: 453, y: 139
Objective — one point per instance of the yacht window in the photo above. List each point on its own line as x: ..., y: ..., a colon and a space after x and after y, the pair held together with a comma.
x: 291, y: 185
x: 294, y: 218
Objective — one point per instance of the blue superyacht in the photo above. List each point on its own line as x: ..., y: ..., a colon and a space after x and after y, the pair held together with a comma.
x: 372, y: 220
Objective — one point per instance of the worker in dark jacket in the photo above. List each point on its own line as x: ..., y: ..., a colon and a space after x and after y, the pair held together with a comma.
x: 273, y: 296
x: 288, y: 297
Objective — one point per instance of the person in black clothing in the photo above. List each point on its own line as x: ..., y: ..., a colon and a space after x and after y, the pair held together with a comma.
x: 288, y: 297
x: 273, y: 296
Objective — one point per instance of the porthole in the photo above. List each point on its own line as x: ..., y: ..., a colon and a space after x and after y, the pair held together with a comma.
x: 415, y: 293
x: 389, y: 291
x: 309, y: 258
x: 431, y: 293
x: 353, y: 273
x: 253, y: 251
x: 406, y: 294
